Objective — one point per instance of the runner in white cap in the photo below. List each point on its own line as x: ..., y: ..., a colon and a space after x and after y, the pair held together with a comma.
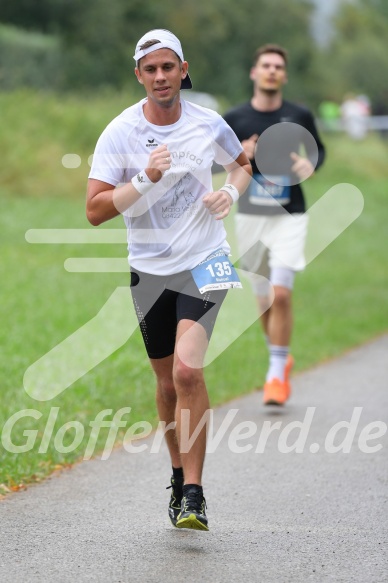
x: 166, y: 40
x: 153, y: 164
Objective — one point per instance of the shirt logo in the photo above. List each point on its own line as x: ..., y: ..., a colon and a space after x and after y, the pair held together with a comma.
x: 151, y: 143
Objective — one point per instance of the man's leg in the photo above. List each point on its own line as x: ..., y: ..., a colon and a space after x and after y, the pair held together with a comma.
x: 276, y: 318
x: 278, y: 322
x: 285, y: 258
x: 156, y: 309
x: 192, y: 406
x: 192, y: 412
x: 181, y: 396
x: 166, y: 403
x: 263, y: 306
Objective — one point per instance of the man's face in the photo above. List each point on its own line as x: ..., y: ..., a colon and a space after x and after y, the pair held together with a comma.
x: 269, y: 74
x: 161, y: 73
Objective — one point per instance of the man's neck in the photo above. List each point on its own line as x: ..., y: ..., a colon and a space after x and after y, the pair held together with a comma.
x: 162, y: 115
x: 265, y: 101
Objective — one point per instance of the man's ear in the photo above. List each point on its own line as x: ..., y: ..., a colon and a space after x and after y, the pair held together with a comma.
x: 184, y: 69
x: 252, y: 73
x: 138, y: 75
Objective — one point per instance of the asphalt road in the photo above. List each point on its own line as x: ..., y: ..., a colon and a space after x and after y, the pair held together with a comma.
x: 289, y: 509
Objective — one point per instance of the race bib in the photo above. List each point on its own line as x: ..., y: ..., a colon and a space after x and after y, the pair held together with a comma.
x: 215, y: 272
x: 262, y: 191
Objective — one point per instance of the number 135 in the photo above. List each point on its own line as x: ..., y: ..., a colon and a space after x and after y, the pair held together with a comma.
x: 220, y: 269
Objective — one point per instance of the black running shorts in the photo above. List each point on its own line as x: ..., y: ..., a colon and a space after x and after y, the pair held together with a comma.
x: 161, y: 301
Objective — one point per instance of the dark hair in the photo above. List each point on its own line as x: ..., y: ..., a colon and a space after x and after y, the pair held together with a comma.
x: 270, y: 48
x: 151, y: 43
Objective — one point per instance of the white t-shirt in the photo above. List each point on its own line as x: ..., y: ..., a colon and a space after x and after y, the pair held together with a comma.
x: 169, y: 229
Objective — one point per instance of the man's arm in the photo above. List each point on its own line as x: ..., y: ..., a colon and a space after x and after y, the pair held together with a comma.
x: 312, y: 128
x: 249, y: 146
x: 104, y: 201
x: 239, y: 175
x: 303, y: 167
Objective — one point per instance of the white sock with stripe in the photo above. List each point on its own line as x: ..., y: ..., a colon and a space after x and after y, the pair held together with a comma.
x: 277, y: 362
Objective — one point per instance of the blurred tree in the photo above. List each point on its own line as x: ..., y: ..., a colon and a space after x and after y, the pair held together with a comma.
x: 96, y: 41
x: 91, y: 35
x: 40, y: 16
x: 221, y: 36
x: 29, y: 59
x: 359, y: 50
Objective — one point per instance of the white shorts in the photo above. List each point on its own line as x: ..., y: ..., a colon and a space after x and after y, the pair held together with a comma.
x: 268, y: 242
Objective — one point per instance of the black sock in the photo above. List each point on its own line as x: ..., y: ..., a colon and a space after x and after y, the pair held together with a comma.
x: 177, y: 473
x: 187, y: 487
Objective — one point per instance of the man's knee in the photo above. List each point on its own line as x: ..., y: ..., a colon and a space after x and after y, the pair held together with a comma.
x: 282, y: 297
x: 186, y: 378
x: 264, y: 303
x: 166, y: 389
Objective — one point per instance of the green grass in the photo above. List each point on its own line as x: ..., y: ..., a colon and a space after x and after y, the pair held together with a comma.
x: 41, y: 128
x: 341, y: 298
x: 340, y: 301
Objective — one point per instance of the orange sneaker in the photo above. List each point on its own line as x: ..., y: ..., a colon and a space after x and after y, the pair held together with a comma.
x: 287, y: 371
x: 276, y: 392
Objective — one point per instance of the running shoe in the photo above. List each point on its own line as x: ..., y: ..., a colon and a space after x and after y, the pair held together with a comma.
x: 174, y: 507
x: 288, y: 368
x: 193, y: 514
x: 287, y: 371
x: 276, y: 392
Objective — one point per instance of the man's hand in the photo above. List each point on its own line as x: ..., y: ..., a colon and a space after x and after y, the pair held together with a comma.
x: 218, y: 203
x: 250, y: 146
x: 159, y: 161
x: 302, y: 167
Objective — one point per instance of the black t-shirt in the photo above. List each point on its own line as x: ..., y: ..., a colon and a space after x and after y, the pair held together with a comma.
x: 246, y: 121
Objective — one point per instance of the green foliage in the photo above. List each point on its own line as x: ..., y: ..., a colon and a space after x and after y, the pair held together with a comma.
x: 88, y: 44
x: 359, y: 49
x: 219, y: 38
x: 29, y: 59
x: 41, y: 128
x: 43, y: 16
x: 95, y: 54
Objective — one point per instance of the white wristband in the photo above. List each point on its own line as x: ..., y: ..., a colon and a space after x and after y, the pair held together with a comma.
x: 232, y: 190
x: 142, y: 183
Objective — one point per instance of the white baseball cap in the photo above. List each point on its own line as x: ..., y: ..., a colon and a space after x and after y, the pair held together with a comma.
x: 166, y: 40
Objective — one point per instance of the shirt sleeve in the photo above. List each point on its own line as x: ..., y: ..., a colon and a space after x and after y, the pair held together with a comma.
x: 227, y: 145
x: 108, y: 163
x: 309, y: 124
